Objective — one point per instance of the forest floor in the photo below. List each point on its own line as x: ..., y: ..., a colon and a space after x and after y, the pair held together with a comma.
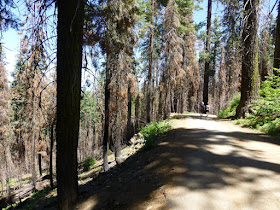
x: 202, y: 163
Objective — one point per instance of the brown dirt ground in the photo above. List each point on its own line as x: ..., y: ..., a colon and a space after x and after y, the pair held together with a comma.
x: 202, y: 163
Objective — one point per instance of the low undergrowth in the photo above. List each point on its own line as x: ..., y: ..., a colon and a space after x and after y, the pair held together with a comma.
x: 230, y: 111
x: 151, y: 131
x: 266, y: 109
x: 88, y: 163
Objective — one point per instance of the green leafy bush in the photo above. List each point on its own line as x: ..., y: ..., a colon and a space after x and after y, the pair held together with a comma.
x: 265, y: 114
x: 151, y: 131
x: 88, y: 163
x: 230, y: 111
x: 267, y: 108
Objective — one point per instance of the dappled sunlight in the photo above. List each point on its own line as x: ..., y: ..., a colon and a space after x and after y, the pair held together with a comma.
x: 88, y: 204
x: 196, y: 168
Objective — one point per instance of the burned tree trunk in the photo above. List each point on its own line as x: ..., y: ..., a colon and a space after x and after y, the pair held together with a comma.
x: 249, y: 81
x: 51, y: 154
x: 69, y: 63
x: 207, y: 61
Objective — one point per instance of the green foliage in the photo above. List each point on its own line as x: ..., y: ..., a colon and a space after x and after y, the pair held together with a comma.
x: 151, y: 131
x: 36, y: 200
x: 175, y: 117
x: 10, y: 207
x: 88, y: 109
x: 230, y: 111
x: 204, y: 56
x: 88, y: 163
x: 265, y: 112
x: 266, y: 116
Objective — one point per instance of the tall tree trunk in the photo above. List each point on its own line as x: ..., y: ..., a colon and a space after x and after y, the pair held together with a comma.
x: 181, y: 105
x: 51, y: 154
x: 222, y: 81
x: 264, y: 54
x: 40, y: 163
x: 167, y: 106
x: 151, y: 49
x: 8, y: 172
x: 162, y: 98
x: 129, y: 132
x: 2, y: 188
x: 207, y: 61
x: 107, y: 117
x: 160, y: 106
x: 69, y: 63
x: 249, y: 81
x: 172, y: 101
x: 118, y: 133
x: 276, y: 63
x: 137, y: 106
x: 94, y: 142
x: 33, y: 168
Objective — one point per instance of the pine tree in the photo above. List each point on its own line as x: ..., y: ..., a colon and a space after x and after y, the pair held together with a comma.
x: 69, y: 64
x: 119, y: 50
x: 221, y: 87
x: 149, y: 43
x: 7, y: 17
x: 207, y: 50
x: 265, y: 50
x: 5, y: 159
x: 20, y: 115
x: 188, y: 89
x: 231, y: 21
x: 151, y: 51
x: 249, y: 82
x: 4, y: 100
x: 216, y: 37
x: 31, y: 66
x: 276, y: 63
x: 173, y: 74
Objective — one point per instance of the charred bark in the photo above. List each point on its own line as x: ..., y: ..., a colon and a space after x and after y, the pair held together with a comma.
x: 207, y: 61
x: 51, y: 154
x: 69, y: 63
x: 249, y: 72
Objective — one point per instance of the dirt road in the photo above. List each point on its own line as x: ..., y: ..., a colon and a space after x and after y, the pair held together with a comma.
x: 201, y: 164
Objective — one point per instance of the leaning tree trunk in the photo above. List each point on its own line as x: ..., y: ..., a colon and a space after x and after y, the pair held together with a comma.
x: 207, y: 61
x: 69, y: 63
x: 276, y: 63
x: 249, y: 71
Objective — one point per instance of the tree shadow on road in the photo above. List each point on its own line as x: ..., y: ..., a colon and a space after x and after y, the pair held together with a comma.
x: 184, y: 158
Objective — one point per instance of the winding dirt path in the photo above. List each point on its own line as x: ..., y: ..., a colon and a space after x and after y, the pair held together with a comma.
x: 201, y: 164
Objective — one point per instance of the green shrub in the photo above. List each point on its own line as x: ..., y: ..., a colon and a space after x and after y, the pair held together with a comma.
x: 224, y: 113
x: 265, y: 114
x: 151, y: 131
x: 267, y: 108
x: 88, y: 163
x: 230, y: 111
x: 272, y: 127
